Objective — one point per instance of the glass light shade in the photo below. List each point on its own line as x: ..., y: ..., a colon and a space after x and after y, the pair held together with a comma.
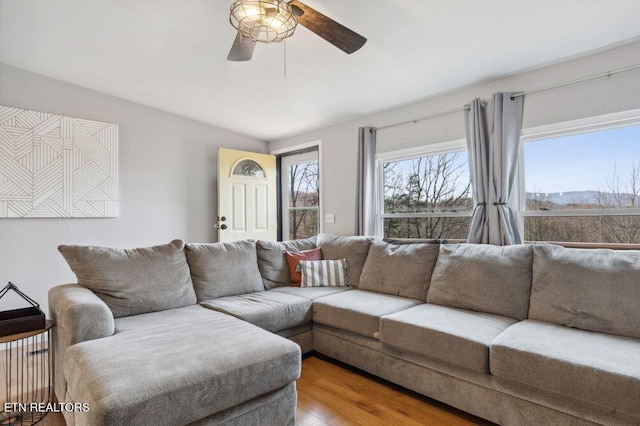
x: 265, y: 21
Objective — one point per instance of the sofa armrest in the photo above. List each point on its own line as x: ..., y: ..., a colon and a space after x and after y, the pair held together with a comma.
x: 79, y: 315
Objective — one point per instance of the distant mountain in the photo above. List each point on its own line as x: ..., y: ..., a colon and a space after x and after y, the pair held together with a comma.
x: 579, y: 197
x: 564, y: 198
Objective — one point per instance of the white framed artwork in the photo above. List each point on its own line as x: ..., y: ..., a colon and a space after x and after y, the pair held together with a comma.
x: 57, y: 166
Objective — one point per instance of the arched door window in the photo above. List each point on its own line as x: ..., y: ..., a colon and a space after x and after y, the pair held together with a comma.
x: 248, y: 168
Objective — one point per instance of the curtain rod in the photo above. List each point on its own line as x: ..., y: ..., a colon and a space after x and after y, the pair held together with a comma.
x: 566, y: 83
x: 415, y: 120
x: 579, y: 80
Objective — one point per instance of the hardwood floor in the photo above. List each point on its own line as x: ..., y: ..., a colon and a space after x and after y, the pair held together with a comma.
x: 332, y: 394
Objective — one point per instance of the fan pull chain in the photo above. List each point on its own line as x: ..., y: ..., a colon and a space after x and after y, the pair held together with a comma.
x: 285, y: 58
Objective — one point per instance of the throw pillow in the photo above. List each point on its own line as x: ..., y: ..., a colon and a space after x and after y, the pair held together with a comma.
x: 324, y: 273
x: 134, y: 281
x: 224, y: 269
x: 294, y: 258
x: 272, y: 261
x: 399, y: 269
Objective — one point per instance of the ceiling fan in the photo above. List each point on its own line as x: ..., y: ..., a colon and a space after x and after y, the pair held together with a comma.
x: 270, y: 21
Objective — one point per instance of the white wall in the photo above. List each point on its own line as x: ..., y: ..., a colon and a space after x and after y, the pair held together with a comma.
x: 596, y: 97
x: 167, y: 181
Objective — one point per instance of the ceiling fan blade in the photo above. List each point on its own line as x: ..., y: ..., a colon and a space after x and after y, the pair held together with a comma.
x: 242, y: 49
x: 338, y: 35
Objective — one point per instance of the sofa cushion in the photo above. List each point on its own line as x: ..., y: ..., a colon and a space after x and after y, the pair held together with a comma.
x: 354, y: 249
x: 160, y: 319
x: 595, y: 290
x: 293, y: 261
x: 311, y: 293
x: 269, y: 310
x: 134, y: 281
x: 483, y: 278
x: 140, y: 377
x: 358, y: 311
x: 452, y: 335
x: 399, y: 269
x: 224, y: 269
x: 593, y: 367
x: 272, y: 262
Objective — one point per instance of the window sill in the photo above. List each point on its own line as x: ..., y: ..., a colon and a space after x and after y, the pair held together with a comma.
x: 614, y: 246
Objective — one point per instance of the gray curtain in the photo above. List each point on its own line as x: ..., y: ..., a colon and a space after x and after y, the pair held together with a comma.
x: 493, y: 163
x: 478, y: 151
x: 505, y: 150
x: 365, y: 192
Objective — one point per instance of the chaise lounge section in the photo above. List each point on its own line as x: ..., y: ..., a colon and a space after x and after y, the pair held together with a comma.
x: 519, y: 335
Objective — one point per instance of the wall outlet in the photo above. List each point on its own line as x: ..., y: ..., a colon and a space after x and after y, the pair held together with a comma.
x: 329, y: 218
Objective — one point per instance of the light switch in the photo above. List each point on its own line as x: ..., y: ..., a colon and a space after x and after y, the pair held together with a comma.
x: 329, y: 218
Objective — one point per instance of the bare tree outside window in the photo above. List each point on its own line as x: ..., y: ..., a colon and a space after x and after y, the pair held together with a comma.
x: 427, y: 197
x: 304, y: 199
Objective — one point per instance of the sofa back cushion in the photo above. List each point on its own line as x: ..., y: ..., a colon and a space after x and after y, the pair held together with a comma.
x: 224, y: 269
x: 272, y: 262
x: 483, y: 278
x: 590, y: 289
x: 402, y: 270
x: 134, y: 281
x: 354, y: 249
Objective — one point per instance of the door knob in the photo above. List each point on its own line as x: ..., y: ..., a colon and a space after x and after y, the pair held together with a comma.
x: 218, y: 225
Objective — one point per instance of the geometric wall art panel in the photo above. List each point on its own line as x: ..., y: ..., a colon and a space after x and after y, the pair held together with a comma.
x: 56, y: 166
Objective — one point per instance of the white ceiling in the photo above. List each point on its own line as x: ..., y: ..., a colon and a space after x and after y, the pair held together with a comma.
x: 171, y: 54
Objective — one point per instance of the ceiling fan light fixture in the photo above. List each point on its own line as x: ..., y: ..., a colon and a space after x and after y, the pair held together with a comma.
x: 264, y: 21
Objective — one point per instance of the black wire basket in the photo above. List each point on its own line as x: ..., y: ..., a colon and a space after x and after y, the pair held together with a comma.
x: 26, y: 363
x: 22, y: 320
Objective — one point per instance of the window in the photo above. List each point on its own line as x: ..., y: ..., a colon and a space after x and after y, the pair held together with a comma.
x: 583, y: 187
x: 300, y: 196
x: 249, y: 168
x: 425, y: 195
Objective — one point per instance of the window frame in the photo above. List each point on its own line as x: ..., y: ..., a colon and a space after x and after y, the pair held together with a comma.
x: 568, y: 128
x: 290, y: 152
x: 456, y: 145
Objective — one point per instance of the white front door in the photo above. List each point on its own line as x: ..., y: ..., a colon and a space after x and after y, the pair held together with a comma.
x: 247, y: 198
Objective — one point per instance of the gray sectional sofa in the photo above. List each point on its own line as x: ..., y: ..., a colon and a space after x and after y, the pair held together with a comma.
x: 213, y: 333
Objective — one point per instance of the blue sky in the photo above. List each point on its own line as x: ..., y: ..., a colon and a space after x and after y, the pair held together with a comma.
x: 581, y: 162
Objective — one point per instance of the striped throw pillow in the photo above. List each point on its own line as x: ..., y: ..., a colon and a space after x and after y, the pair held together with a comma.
x: 324, y: 273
